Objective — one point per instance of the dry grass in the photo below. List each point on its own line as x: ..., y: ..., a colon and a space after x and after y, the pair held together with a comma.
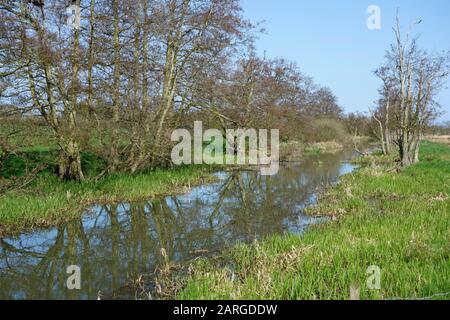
x: 439, y: 139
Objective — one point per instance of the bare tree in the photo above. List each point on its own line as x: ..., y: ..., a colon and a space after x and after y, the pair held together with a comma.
x: 411, y: 79
x: 385, y: 107
x: 55, y: 98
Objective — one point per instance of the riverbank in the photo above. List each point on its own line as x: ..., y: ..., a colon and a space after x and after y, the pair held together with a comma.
x: 399, y: 222
x: 47, y: 201
x: 295, y: 151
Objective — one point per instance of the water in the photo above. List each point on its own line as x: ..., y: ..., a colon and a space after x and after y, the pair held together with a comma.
x: 115, y: 244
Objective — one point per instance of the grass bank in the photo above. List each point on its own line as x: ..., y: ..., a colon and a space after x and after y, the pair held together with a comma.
x: 294, y: 151
x: 47, y: 201
x: 399, y: 222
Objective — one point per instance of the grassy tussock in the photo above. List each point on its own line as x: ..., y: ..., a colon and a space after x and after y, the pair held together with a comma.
x: 397, y: 221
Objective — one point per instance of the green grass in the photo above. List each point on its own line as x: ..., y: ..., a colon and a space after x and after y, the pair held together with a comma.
x: 397, y: 221
x: 47, y: 201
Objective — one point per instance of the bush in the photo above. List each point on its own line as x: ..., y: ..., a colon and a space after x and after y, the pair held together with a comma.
x: 13, y: 166
x: 329, y: 130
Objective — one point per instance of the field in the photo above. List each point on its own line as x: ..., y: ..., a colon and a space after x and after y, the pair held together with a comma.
x: 439, y: 139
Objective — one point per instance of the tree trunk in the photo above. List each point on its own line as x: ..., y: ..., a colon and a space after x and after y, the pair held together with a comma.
x: 416, y: 151
x: 70, y: 163
x: 70, y: 159
x: 172, y: 69
x: 387, y: 133
x: 90, y: 91
x: 144, y: 116
x: 405, y: 95
x: 170, y: 79
x: 382, y: 142
x: 114, y: 154
x: 136, y: 137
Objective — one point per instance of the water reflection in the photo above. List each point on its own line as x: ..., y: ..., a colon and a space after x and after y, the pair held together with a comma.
x: 117, y: 243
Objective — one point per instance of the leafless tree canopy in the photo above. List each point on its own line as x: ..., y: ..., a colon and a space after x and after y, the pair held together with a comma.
x: 137, y: 69
x: 412, y: 78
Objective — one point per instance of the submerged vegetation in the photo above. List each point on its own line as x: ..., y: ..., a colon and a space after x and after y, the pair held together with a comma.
x: 399, y: 222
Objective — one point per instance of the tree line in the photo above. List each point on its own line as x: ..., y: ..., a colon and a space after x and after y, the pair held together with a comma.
x: 135, y: 70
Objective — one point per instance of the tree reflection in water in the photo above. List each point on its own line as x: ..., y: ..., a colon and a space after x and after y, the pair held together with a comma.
x: 119, y: 242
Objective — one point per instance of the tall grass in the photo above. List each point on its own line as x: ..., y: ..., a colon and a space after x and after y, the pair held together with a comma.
x: 398, y: 222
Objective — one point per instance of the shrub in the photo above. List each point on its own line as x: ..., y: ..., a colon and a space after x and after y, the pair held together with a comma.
x: 329, y: 130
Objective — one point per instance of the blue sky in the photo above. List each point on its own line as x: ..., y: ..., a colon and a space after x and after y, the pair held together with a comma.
x: 330, y: 41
